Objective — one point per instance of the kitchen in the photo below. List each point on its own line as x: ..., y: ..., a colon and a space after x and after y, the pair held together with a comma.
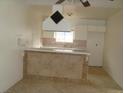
x: 73, y: 52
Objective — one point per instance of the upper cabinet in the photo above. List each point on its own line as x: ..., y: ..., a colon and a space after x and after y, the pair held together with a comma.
x: 91, y: 25
x: 96, y: 28
x: 96, y: 25
x: 81, y: 32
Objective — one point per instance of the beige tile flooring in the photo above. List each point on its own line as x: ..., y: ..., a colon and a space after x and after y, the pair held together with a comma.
x: 98, y: 82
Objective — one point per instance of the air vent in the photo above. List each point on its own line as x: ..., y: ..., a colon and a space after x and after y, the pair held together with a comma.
x: 56, y: 22
x: 57, y: 17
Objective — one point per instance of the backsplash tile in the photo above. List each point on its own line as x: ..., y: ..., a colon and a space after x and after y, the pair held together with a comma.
x: 51, y: 42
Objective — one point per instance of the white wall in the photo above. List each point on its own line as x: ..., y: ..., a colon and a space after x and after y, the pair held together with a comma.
x: 12, y: 24
x: 113, y: 62
x: 35, y: 24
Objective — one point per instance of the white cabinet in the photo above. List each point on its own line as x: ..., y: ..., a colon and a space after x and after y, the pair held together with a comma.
x: 95, y: 44
x: 96, y: 28
x: 101, y: 28
x: 81, y: 32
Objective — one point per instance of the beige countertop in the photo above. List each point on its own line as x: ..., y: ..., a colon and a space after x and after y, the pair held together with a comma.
x: 60, y: 50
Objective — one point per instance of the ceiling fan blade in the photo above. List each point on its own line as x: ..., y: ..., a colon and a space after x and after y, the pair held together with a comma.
x: 60, y: 1
x: 85, y: 3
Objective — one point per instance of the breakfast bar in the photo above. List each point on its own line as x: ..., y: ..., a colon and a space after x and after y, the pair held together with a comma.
x: 56, y: 62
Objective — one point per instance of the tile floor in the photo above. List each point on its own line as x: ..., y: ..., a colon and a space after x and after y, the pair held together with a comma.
x: 98, y: 82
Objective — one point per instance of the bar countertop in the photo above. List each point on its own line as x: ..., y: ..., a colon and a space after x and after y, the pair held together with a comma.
x: 60, y: 50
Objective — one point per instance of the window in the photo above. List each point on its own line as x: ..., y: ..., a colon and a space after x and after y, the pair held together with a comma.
x: 63, y: 36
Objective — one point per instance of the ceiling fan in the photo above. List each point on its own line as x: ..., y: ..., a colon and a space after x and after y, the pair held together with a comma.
x: 85, y: 3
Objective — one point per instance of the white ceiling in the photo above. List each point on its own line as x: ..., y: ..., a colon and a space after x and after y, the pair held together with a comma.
x: 77, y: 11
x: 91, y: 12
x: 100, y: 9
x: 94, y: 3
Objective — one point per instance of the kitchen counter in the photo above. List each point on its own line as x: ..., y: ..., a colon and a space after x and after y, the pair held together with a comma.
x: 56, y: 62
x: 60, y: 50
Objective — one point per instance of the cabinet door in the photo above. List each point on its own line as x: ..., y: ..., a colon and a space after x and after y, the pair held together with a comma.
x: 95, y: 44
x: 81, y: 32
x: 96, y: 28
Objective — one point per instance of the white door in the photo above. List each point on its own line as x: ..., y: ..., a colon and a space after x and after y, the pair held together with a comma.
x: 95, y: 45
